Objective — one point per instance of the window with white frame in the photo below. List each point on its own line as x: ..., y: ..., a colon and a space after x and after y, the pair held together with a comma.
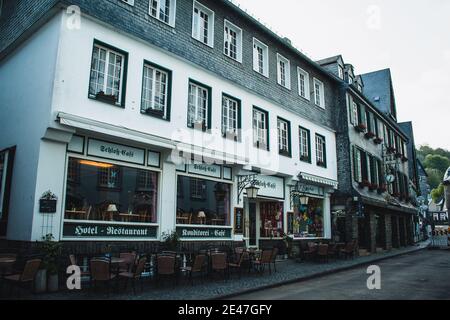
x: 319, y: 93
x: 357, y: 165
x: 130, y: 2
x: 284, y: 137
x: 163, y: 10
x: 284, y: 71
x: 203, y: 24
x: 230, y: 117
x: 260, y: 129
x: 260, y: 57
x: 321, y: 151
x: 341, y: 72
x: 305, y: 145
x: 303, y: 83
x: 155, y: 91
x: 198, y: 105
x: 107, y: 74
x: 232, y: 46
x: 354, y: 113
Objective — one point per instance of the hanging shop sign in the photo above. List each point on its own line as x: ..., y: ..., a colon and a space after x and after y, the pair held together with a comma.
x: 203, y: 233
x: 107, y: 231
x: 113, y: 151
x: 238, y: 220
x: 213, y: 171
x: 270, y: 186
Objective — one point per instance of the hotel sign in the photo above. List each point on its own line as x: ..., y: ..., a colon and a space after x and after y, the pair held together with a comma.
x: 203, y: 233
x: 107, y: 231
x: 113, y: 151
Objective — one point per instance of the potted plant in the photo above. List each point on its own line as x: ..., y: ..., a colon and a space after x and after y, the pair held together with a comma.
x: 378, y: 140
x: 284, y: 152
x: 171, y: 240
x: 47, y: 202
x: 361, y: 127
x: 288, y: 241
x: 52, y: 253
x: 370, y: 135
x: 390, y: 149
x: 109, y: 98
x: 364, y: 184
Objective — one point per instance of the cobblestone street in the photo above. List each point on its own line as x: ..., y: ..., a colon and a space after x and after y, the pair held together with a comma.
x: 287, y: 272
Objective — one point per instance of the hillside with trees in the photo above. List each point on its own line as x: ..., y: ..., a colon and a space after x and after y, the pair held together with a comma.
x: 436, y: 163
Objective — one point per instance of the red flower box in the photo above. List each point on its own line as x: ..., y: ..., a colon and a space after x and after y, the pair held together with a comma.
x: 360, y: 127
x: 378, y: 140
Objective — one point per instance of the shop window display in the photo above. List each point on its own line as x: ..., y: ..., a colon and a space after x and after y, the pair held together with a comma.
x: 308, y: 219
x: 271, y: 214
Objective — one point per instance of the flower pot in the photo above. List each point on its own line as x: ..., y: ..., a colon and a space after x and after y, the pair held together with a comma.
x: 40, y: 284
x: 53, y: 283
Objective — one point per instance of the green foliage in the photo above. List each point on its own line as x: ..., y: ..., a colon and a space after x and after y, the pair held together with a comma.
x: 437, y: 162
x: 52, y: 252
x: 438, y: 193
x: 171, y: 240
x: 434, y: 177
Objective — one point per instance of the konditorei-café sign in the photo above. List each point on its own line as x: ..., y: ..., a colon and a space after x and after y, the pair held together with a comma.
x: 203, y: 233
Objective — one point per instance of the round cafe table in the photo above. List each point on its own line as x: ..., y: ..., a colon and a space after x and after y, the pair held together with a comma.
x: 5, y: 263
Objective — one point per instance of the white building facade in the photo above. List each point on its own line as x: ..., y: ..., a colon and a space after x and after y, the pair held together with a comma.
x: 134, y: 142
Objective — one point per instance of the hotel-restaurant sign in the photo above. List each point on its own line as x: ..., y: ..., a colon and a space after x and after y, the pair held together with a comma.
x: 99, y: 231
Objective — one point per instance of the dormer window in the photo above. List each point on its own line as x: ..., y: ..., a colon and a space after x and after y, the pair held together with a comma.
x: 341, y: 72
x: 350, y: 79
x: 360, y: 87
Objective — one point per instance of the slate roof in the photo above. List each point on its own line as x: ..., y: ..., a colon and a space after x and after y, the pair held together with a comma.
x: 378, y: 89
x: 329, y: 60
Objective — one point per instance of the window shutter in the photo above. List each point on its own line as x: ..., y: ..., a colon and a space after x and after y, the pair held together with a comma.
x: 255, y: 57
x: 195, y: 24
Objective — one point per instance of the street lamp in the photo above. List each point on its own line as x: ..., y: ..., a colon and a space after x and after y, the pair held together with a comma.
x: 248, y: 183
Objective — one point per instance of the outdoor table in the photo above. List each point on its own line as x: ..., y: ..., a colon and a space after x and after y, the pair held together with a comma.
x: 5, y: 263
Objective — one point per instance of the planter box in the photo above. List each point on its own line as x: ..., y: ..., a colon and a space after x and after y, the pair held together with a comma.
x: 106, y: 97
x: 360, y: 128
x: 378, y: 140
x: 370, y: 135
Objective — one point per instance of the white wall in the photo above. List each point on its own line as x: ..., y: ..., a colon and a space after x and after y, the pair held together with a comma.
x: 71, y: 96
x: 26, y: 83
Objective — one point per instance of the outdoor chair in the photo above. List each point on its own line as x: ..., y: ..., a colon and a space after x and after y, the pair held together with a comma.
x: 26, y: 277
x: 101, y: 273
x: 136, y: 275
x: 266, y: 259
x: 333, y: 251
x: 7, y: 269
x: 238, y: 265
x: 73, y: 262
x: 219, y: 263
x: 349, y: 250
x: 130, y: 261
x: 165, y: 267
x: 322, y: 252
x: 197, y: 267
x: 273, y: 260
x: 310, y: 254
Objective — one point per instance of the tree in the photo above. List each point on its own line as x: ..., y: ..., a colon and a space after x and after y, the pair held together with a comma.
x: 435, y: 177
x: 435, y: 161
x: 437, y: 193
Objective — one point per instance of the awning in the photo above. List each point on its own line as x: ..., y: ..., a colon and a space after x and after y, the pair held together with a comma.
x: 318, y: 180
x: 94, y: 126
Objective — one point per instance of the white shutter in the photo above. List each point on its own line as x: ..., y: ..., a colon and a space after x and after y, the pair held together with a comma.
x: 255, y: 57
x: 195, y: 22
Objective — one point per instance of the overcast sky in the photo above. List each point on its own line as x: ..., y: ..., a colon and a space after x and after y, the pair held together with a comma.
x: 411, y: 37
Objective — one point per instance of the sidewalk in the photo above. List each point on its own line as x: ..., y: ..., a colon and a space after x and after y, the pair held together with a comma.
x: 287, y: 272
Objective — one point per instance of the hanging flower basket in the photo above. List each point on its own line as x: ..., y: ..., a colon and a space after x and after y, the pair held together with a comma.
x: 361, y: 127
x: 378, y: 140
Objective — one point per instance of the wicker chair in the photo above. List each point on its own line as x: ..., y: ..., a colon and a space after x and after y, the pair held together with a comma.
x: 219, y: 263
x: 197, y: 267
x: 26, y: 277
x: 238, y: 265
x: 166, y: 267
x: 322, y: 252
x: 101, y: 273
x: 266, y: 259
x: 136, y: 275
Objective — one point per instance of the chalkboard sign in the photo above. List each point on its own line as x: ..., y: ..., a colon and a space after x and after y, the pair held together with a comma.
x: 47, y: 206
x: 238, y: 220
